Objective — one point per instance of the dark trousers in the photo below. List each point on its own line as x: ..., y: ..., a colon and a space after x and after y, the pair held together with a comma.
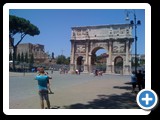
x: 140, y: 85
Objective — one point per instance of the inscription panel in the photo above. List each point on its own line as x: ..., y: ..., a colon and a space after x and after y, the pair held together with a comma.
x: 102, y: 32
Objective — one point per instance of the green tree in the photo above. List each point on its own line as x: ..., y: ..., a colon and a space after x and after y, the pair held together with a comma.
x: 133, y: 62
x: 10, y: 56
x: 19, y: 57
x: 61, y: 59
x: 142, y: 62
x: 26, y: 57
x: 98, y: 58
x: 22, y: 27
x: 31, y: 60
x: 67, y: 61
x: 22, y: 57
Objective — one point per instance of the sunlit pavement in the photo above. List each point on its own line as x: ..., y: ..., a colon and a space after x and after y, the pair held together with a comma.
x: 73, y: 91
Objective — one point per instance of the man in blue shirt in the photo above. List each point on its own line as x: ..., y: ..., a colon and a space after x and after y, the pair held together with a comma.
x: 43, y: 79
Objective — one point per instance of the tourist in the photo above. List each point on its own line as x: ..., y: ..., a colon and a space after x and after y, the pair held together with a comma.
x: 79, y: 71
x: 143, y: 81
x: 140, y: 80
x: 42, y: 79
x: 133, y: 81
x: 51, y: 70
x: 96, y: 73
x: 38, y: 70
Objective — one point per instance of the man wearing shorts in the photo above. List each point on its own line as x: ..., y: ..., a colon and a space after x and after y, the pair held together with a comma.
x: 42, y: 79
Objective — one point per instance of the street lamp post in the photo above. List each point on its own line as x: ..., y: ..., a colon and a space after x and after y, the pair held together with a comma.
x: 134, y: 23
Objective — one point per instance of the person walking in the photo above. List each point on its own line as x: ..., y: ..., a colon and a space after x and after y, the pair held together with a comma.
x: 51, y: 70
x: 143, y: 81
x: 140, y: 80
x: 133, y: 81
x: 79, y: 71
x: 42, y: 79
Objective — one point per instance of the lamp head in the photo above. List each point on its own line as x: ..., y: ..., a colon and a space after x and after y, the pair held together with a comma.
x: 138, y: 22
x: 132, y: 23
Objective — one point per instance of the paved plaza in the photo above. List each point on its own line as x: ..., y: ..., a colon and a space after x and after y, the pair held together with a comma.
x: 73, y: 91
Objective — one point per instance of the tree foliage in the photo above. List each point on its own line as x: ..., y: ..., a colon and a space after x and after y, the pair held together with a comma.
x: 61, y: 59
x: 31, y: 60
x: 19, y: 57
x: 67, y: 61
x: 26, y: 57
x: 21, y: 27
x: 22, y: 57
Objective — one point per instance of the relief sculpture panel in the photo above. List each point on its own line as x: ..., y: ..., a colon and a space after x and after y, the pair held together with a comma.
x: 80, y: 49
x: 118, y: 47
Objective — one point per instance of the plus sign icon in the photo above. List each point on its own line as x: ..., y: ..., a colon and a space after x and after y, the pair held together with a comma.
x: 147, y: 99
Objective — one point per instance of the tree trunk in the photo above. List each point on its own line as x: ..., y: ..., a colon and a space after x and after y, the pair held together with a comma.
x: 14, y: 57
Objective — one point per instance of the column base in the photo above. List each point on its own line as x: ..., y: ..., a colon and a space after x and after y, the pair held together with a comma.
x: 86, y: 69
x: 126, y: 70
x: 72, y: 68
x: 109, y: 69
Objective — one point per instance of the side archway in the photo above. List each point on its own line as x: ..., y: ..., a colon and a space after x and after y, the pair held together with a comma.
x: 80, y: 63
x: 118, y: 65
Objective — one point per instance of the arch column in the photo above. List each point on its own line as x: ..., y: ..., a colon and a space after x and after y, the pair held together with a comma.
x: 75, y: 64
x: 72, y: 64
x: 86, y: 69
x: 127, y: 65
x: 109, y: 60
x: 89, y: 62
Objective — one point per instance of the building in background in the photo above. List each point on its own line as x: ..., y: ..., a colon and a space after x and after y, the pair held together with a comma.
x: 37, y: 50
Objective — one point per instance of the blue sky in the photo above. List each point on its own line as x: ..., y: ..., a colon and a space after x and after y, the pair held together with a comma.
x: 55, y: 25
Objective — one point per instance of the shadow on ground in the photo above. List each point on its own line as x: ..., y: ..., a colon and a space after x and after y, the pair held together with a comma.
x: 123, y: 101
x: 128, y: 83
x: 123, y: 87
x: 126, y: 100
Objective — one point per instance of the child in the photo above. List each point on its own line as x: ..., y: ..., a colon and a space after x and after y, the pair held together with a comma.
x: 49, y: 89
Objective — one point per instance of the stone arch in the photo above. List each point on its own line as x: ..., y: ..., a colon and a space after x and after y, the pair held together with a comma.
x: 86, y: 40
x: 93, y: 57
x: 118, y: 65
x: 80, y: 63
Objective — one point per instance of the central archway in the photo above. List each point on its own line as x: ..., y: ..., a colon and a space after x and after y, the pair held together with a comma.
x: 99, y: 59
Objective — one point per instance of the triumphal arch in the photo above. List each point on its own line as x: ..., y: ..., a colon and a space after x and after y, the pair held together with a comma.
x: 115, y: 39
